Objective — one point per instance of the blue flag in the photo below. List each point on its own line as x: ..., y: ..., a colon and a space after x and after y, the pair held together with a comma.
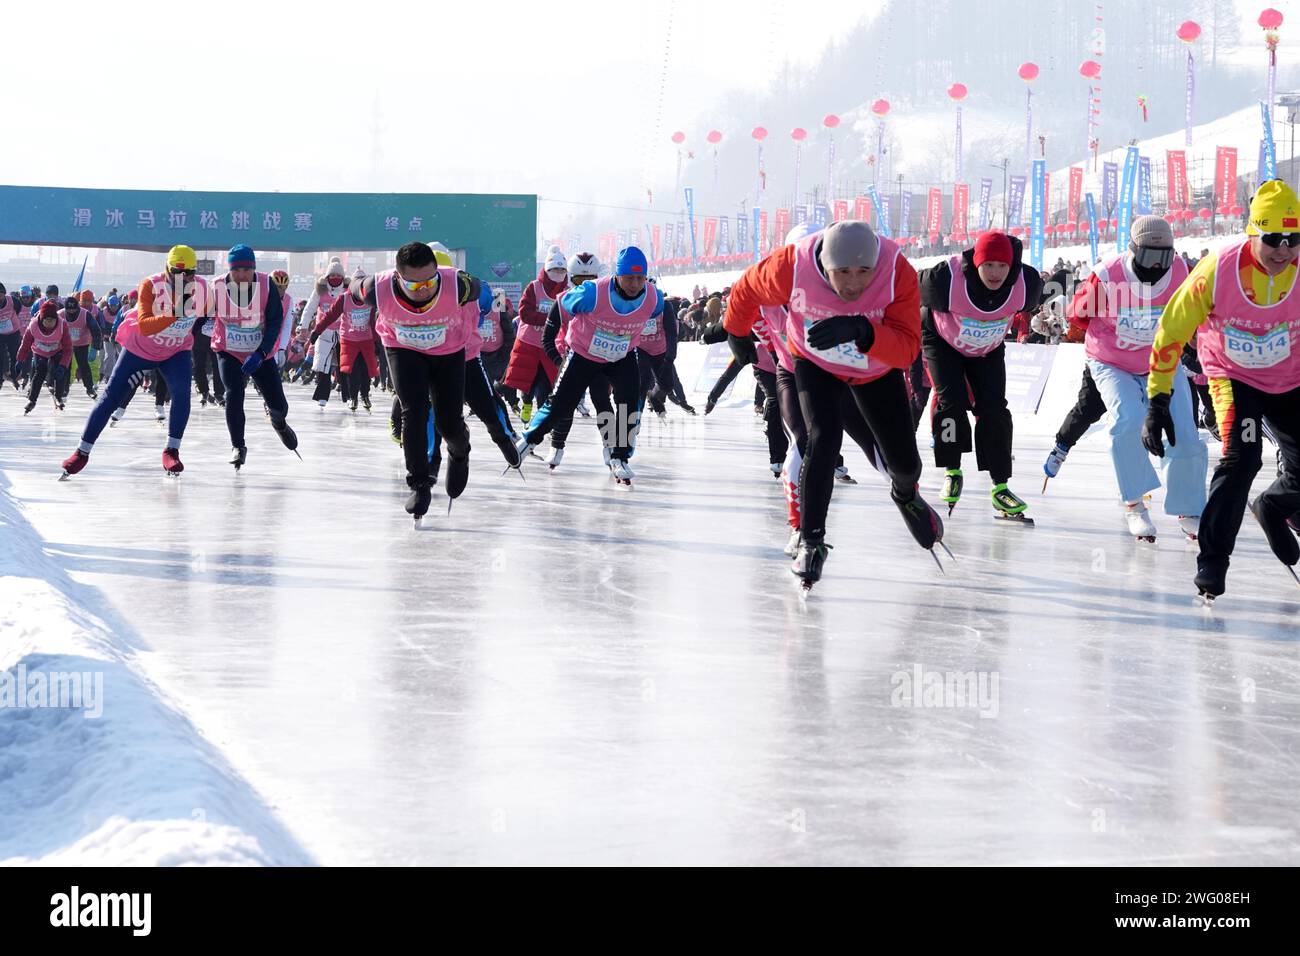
x: 1092, y: 226
x: 1270, y: 151
x: 1127, y: 185
x: 758, y: 214
x: 1144, y: 186
x: 81, y: 276
x: 1038, y: 212
x: 690, y: 217
x: 882, y: 218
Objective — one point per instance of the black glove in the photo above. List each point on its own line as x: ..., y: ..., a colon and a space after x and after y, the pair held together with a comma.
x: 313, y: 337
x: 60, y: 373
x: 742, y: 349
x: 1158, y: 420
x: 838, y: 329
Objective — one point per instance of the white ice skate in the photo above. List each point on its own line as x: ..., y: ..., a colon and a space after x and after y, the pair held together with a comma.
x: 557, y: 456
x: 792, y: 546
x: 620, y: 472
x: 1191, y: 525
x: 777, y: 468
x: 1139, y: 521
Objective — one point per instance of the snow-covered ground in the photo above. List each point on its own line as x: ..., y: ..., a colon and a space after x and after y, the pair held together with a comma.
x: 564, y: 671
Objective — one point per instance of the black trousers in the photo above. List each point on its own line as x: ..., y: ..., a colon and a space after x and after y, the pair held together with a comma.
x: 1087, y: 411
x: 9, y: 345
x: 855, y: 426
x: 777, y: 441
x: 81, y: 354
x: 657, y: 378
x: 204, y: 358
x: 1243, y: 411
x: 599, y: 389
x: 576, y: 375
x: 957, y: 378
x: 425, y: 382
x: 726, y: 378
x: 884, y: 407
x: 488, y: 407
x: 920, y: 389
x: 267, y: 380
x: 42, y: 368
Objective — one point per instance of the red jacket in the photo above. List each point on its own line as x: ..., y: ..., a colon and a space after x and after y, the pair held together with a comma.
x: 528, y: 313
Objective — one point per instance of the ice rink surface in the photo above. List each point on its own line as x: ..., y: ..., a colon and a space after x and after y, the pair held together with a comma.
x: 564, y: 671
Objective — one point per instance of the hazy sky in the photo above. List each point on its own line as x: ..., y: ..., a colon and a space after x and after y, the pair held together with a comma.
x: 488, y: 96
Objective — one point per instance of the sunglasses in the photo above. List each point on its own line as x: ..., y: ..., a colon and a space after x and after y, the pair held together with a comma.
x: 187, y: 273
x: 1275, y: 240
x: 410, y: 286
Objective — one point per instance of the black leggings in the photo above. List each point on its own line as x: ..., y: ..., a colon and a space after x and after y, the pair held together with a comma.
x: 884, y: 407
x: 956, y: 378
x: 1087, y: 411
x: 618, y: 430
x: 425, y: 382
x: 267, y: 380
x: 855, y: 426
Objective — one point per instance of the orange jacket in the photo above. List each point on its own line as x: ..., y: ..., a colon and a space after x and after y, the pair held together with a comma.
x: 149, y: 323
x: 771, y: 282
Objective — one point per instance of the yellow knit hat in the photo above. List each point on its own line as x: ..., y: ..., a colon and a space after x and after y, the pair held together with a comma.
x: 183, y: 258
x: 1273, y: 208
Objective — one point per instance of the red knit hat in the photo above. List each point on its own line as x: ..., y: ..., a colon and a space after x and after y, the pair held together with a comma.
x: 993, y: 247
x: 49, y: 309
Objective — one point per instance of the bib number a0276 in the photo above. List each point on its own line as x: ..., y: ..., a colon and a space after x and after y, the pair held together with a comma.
x: 1257, y: 351
x: 846, y: 353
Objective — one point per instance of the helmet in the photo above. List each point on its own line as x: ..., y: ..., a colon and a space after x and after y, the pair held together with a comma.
x: 443, y: 258
x: 25, y: 290
x: 584, y: 264
x: 114, y: 302
x: 281, y: 279
x: 801, y: 231
x: 555, y: 260
x: 437, y: 246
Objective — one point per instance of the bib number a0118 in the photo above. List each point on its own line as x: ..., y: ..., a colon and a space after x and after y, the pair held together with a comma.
x: 1257, y: 351
x: 242, y: 340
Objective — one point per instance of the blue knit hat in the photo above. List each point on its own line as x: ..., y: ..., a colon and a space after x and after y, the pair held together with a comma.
x: 241, y: 257
x: 114, y: 302
x: 631, y: 261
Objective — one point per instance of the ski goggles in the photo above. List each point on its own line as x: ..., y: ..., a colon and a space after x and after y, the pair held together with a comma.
x: 1150, y: 257
x: 409, y: 286
x: 1275, y: 240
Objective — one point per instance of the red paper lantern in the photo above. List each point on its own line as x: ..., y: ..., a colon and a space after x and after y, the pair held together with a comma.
x: 759, y: 133
x: 714, y: 137
x: 798, y: 134
x: 1188, y: 215
x: 1090, y: 69
x: 1171, y: 217
x: 1270, y: 19
x: 830, y: 121
x: 1028, y: 72
x: 679, y: 137
x: 880, y: 107
x: 1114, y: 222
x: 957, y: 92
x: 1204, y: 212
x: 1049, y: 230
x: 1188, y: 31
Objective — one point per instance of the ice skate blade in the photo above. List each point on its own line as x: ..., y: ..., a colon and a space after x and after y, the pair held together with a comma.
x: 947, y: 549
x: 847, y: 479
x: 1019, y: 519
x: 937, y: 561
x: 65, y: 476
x: 1148, y: 538
x: 1046, y: 479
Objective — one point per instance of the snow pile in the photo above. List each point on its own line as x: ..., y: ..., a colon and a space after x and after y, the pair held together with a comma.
x: 96, y: 768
